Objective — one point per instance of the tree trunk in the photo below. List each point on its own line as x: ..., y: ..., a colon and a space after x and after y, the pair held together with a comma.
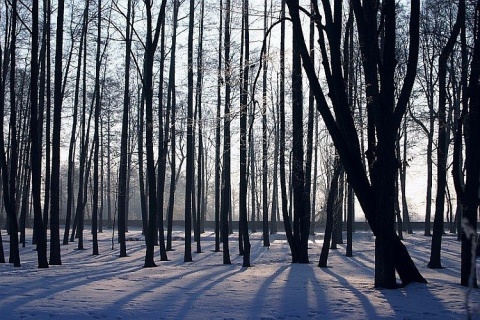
x: 71, y: 150
x: 375, y: 199
x: 122, y: 170
x: 163, y: 131
x: 332, y: 202
x: 283, y: 184
x: 36, y: 146
x: 469, y: 197
x: 200, y: 162
x: 226, y: 201
x: 171, y: 104
x: 151, y: 45
x: 217, y: 134
x: 243, y: 140
x: 9, y: 171
x: 190, y: 149
x: 442, y: 149
x: 96, y: 134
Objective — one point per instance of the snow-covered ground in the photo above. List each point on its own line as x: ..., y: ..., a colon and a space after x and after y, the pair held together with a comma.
x: 107, y: 287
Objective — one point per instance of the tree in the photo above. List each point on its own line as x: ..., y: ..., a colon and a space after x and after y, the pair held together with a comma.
x: 3, y: 76
x: 283, y: 184
x: 385, y: 115
x: 226, y: 183
x: 243, y: 224
x: 71, y: 150
x: 122, y: 172
x: 198, y: 107
x: 9, y: 167
x: 150, y: 48
x: 171, y: 105
x: 217, y: 134
x: 301, y: 194
x: 96, y: 134
x: 36, y: 146
x: 467, y: 190
x: 54, y: 183
x: 442, y: 149
x: 265, y: 235
x: 332, y: 205
x: 190, y: 150
x: 162, y: 150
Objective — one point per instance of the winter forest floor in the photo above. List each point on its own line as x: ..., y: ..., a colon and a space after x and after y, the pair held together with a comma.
x: 107, y: 287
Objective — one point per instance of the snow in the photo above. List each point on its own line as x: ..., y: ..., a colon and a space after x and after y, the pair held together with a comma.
x: 108, y: 287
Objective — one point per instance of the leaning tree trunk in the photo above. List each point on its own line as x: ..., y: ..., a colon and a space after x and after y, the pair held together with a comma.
x: 375, y: 198
x: 332, y: 202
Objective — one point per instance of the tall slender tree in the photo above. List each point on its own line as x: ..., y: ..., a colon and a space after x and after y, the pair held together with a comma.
x: 36, y: 146
x: 122, y: 171
x: 243, y: 140
x: 190, y: 149
x: 96, y: 134
x: 200, y: 156
x: 55, y: 258
x: 217, y: 134
x: 171, y: 105
x: 265, y: 227
x: 226, y: 171
x: 9, y: 167
x: 163, y: 131
x: 283, y: 183
x: 151, y: 43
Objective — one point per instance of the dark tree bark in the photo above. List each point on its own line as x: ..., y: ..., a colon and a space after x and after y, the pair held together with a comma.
x: 283, y: 184
x: 332, y: 202
x: 442, y: 149
x: 375, y: 198
x: 349, y: 74
x: 274, y: 210
x: 243, y: 141
x: 162, y: 150
x: 73, y: 139
x: 217, y: 134
x: 9, y: 167
x: 190, y: 149
x: 96, y: 134
x: 171, y: 105
x: 84, y: 134
x: 226, y: 184
x: 122, y: 171
x: 468, y: 192
x: 198, y: 103
x: 150, y: 48
x: 3, y: 76
x: 311, y: 124
x: 36, y: 146
x: 44, y: 59
x: 301, y: 201
x: 141, y: 170
x: 407, y: 226
x: 265, y: 234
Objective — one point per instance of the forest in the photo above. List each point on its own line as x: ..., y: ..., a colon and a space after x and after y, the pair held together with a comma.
x: 293, y: 117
